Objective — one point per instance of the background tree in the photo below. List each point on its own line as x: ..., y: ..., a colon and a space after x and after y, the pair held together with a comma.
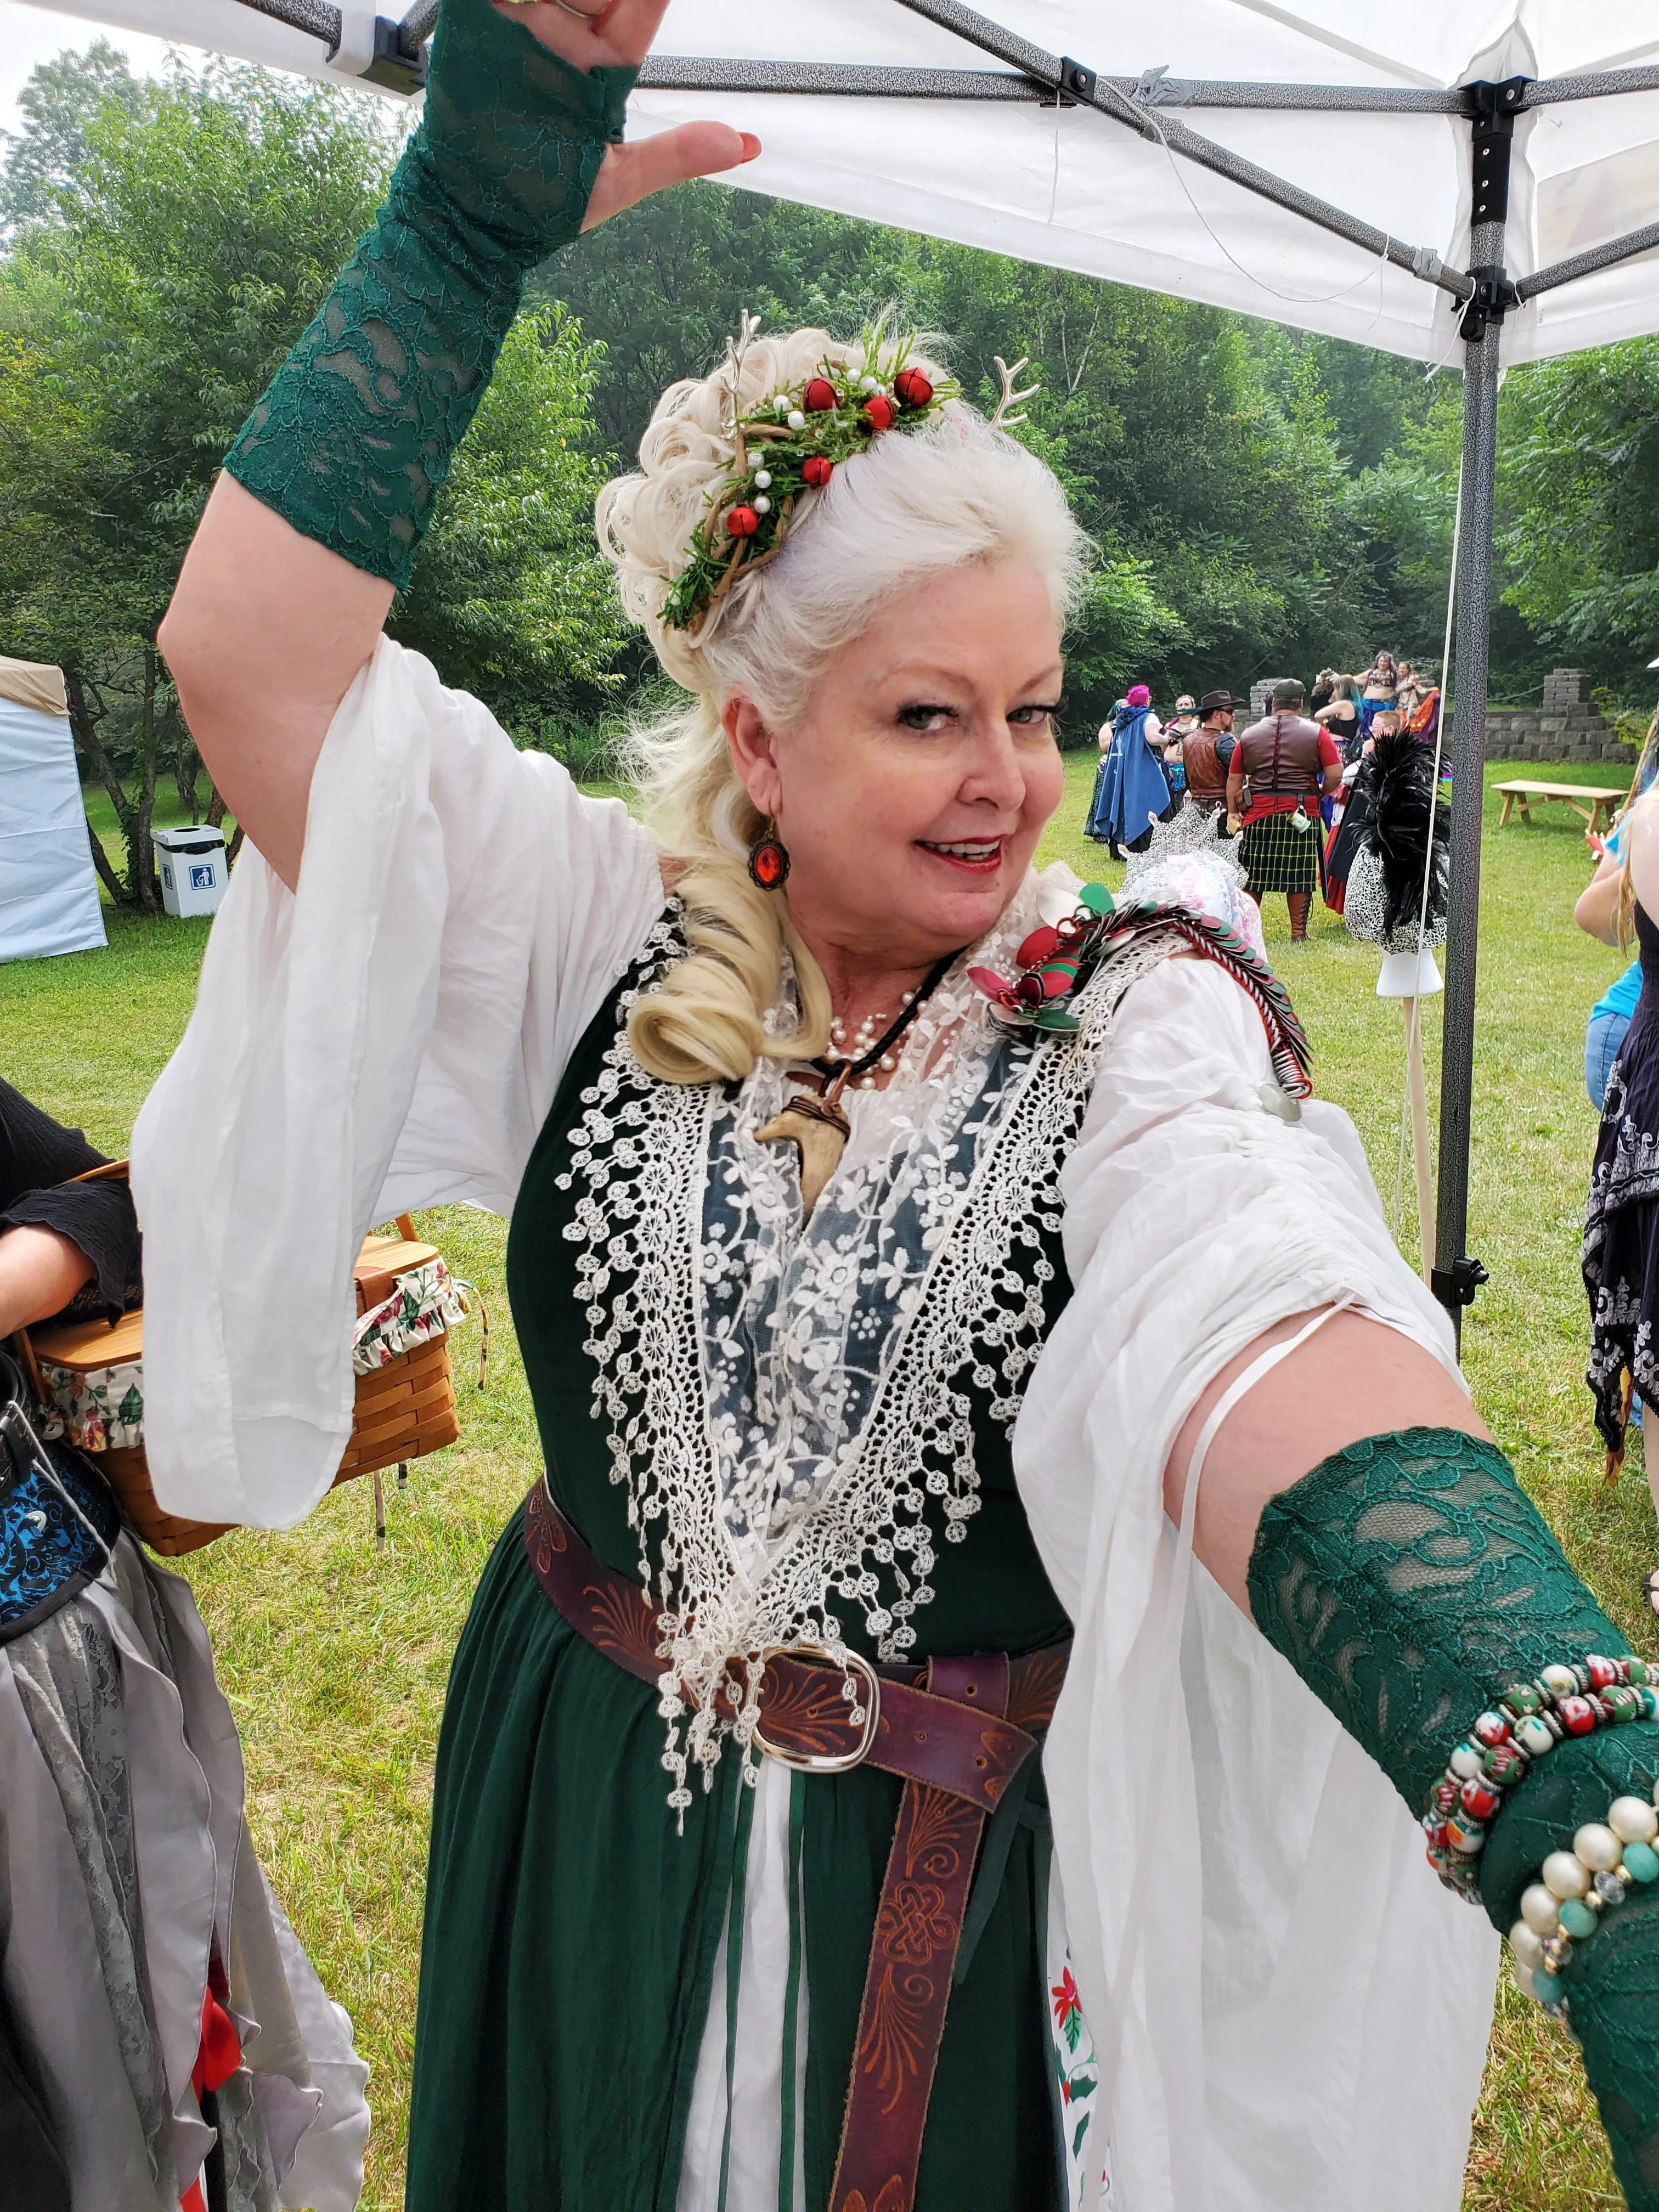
x: 1579, y: 450
x: 510, y: 597
x: 179, y: 235
x: 44, y: 160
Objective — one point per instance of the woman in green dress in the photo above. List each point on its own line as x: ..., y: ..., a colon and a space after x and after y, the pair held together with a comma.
x: 897, y: 1235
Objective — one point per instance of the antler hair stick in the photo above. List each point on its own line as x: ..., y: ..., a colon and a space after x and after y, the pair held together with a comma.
x: 1002, y: 420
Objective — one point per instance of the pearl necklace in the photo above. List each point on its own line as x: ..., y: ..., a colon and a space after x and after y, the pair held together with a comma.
x: 864, y: 1039
x: 816, y: 1123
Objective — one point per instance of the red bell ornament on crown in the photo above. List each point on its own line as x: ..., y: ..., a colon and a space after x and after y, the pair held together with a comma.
x: 818, y: 469
x: 879, y: 411
x: 819, y: 396
x: 741, y: 522
x: 911, y: 388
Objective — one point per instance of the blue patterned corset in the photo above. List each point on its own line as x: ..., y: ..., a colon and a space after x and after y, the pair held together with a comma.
x: 46, y: 1554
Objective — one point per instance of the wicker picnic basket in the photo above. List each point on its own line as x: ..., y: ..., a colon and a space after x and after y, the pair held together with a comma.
x: 404, y: 1408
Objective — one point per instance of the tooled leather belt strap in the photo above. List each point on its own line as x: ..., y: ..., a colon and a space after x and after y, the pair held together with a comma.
x: 957, y: 1730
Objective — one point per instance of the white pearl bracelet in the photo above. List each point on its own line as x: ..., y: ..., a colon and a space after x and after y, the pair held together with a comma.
x: 1565, y: 1904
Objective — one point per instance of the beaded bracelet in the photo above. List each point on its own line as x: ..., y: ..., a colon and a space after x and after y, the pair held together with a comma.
x: 1575, y: 1888
x: 1527, y: 1722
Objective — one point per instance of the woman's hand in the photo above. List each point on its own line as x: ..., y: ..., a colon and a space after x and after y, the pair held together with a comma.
x: 619, y: 34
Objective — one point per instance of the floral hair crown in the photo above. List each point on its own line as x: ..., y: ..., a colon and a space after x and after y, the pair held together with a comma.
x: 792, y: 444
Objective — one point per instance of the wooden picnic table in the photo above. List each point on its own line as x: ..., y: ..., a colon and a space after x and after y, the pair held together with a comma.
x: 1602, y: 798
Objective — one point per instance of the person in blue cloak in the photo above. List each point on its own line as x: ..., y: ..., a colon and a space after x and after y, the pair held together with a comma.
x: 1132, y: 791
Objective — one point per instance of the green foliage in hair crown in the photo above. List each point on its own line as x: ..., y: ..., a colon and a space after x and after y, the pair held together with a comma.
x: 791, y: 445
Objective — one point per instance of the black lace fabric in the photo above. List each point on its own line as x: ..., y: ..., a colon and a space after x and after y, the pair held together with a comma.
x: 354, y: 437
x: 1410, y: 1580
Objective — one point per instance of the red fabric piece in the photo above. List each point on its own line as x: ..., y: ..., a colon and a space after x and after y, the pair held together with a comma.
x: 192, y: 2200
x: 220, y: 2052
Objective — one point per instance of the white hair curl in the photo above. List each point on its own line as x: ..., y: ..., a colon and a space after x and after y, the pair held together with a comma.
x: 914, y: 504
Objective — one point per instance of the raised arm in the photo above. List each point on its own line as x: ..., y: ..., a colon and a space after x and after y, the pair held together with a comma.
x: 318, y: 519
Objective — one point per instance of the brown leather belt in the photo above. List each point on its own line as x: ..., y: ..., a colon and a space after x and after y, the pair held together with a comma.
x: 957, y: 1730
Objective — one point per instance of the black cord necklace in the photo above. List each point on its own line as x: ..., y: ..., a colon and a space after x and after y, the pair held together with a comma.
x: 847, y: 1069
x: 816, y: 1123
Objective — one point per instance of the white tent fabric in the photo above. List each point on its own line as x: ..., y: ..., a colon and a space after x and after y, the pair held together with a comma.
x: 48, y: 892
x: 1072, y: 187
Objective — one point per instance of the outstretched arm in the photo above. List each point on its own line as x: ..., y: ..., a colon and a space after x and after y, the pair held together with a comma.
x: 1416, y: 1590
x: 318, y: 521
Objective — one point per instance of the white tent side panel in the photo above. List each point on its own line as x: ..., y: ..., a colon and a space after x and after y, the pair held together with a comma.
x: 48, y: 892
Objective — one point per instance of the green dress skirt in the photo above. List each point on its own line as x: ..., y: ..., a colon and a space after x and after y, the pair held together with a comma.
x: 571, y: 1929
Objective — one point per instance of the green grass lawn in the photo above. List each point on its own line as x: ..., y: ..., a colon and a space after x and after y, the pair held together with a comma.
x: 335, y: 1656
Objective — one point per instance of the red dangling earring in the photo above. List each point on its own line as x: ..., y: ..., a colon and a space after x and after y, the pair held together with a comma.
x: 768, y: 860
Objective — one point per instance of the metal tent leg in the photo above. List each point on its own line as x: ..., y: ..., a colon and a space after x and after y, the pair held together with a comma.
x: 1454, y: 1277
x: 1493, y: 108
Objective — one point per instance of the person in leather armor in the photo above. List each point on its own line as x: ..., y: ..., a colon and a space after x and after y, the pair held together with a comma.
x: 1288, y: 763
x: 1206, y: 752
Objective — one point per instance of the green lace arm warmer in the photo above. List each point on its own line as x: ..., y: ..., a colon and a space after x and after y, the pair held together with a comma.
x: 354, y: 437
x: 1410, y: 1581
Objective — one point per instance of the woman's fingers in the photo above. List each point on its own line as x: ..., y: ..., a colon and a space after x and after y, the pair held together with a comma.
x: 592, y: 34
x: 651, y: 164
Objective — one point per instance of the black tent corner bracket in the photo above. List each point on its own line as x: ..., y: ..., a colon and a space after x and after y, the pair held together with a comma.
x: 1491, y: 108
x: 1456, y: 1287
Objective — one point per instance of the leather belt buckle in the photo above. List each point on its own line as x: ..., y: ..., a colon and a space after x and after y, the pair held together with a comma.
x: 801, y: 1758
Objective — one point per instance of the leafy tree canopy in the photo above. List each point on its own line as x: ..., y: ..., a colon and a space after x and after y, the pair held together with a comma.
x: 44, y: 159
x: 178, y: 237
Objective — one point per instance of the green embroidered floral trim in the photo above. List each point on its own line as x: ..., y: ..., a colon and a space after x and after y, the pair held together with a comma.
x: 354, y: 437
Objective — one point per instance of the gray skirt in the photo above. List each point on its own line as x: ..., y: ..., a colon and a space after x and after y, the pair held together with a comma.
x: 127, y: 1866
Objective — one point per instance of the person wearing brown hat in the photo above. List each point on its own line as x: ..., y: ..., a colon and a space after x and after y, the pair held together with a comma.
x: 1207, y: 749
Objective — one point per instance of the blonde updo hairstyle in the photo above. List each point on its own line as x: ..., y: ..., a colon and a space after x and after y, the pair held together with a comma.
x: 915, y: 503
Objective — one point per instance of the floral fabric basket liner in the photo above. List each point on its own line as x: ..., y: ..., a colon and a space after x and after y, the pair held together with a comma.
x: 100, y: 1409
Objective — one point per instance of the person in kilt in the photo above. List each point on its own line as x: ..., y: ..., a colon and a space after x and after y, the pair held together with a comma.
x: 1281, y: 768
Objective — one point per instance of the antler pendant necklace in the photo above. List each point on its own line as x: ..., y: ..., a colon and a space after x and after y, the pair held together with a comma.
x: 815, y: 1122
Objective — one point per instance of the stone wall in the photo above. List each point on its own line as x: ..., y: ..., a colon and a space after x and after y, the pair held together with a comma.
x: 1565, y: 727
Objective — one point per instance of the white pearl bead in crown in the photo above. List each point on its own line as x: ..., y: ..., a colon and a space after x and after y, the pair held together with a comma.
x: 1541, y: 1911
x: 763, y: 505
x: 796, y: 420
x: 1633, y: 1821
x: 1528, y: 1945
x: 1564, y: 1876
x: 763, y: 478
x: 1596, y: 1847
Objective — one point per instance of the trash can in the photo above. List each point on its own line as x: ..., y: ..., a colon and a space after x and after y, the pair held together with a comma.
x: 192, y: 865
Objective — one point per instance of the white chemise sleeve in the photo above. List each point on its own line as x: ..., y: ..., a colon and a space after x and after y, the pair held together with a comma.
x: 1274, y: 1978
x: 390, y: 1035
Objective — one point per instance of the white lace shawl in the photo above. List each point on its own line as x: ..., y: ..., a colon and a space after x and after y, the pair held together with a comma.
x: 780, y: 1400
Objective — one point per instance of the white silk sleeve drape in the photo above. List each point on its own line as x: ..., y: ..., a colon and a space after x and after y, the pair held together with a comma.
x: 391, y: 1036
x: 1300, y: 2010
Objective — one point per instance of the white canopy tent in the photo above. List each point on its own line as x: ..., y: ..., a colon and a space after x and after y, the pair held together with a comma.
x: 48, y: 892
x: 1471, y: 182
